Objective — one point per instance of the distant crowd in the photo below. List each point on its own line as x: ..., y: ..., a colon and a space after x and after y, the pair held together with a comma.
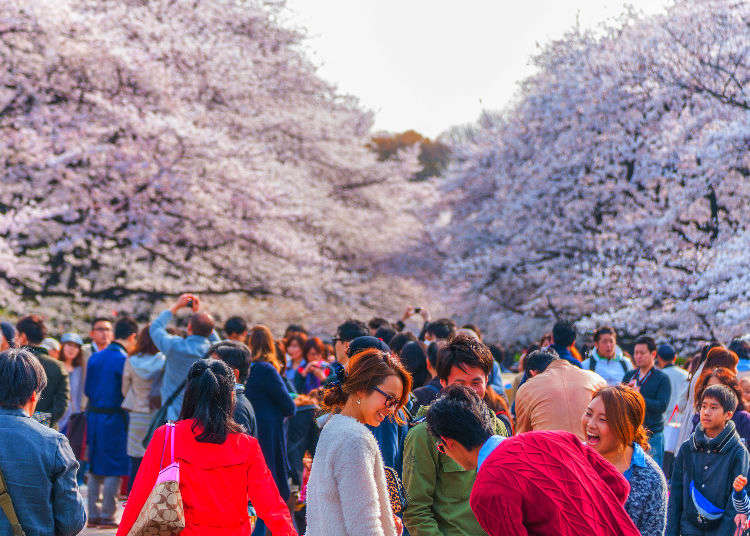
x: 376, y: 429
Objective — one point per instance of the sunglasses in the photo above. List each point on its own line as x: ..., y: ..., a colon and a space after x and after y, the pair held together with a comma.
x: 390, y: 400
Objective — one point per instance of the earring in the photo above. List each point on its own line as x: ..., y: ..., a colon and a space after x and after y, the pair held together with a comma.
x: 359, y: 401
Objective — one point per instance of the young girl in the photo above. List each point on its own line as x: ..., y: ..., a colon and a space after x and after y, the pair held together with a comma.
x: 347, y: 492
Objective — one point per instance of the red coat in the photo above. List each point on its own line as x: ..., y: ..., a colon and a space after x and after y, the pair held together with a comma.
x: 216, y: 482
x: 543, y: 483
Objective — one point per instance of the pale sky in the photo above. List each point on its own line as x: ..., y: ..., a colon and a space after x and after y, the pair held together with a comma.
x: 432, y: 64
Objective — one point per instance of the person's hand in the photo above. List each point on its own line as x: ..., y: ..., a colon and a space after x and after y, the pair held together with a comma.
x: 739, y: 483
x: 740, y: 520
x: 407, y: 314
x: 399, y: 525
x: 184, y: 300
x: 425, y: 314
x: 320, y: 373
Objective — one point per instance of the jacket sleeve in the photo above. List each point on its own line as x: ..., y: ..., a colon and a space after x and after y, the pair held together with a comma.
x: 144, y: 481
x: 660, y: 402
x: 127, y: 378
x: 354, y: 480
x: 263, y: 493
x: 498, y: 509
x: 420, y: 476
x: 158, y: 332
x: 523, y: 411
x: 62, y: 396
x: 67, y: 503
x: 674, y: 509
x: 738, y: 467
x: 277, y: 391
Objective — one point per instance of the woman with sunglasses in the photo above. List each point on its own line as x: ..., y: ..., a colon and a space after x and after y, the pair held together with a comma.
x: 347, y: 492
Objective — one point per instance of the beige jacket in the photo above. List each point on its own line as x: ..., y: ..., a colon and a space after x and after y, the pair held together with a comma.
x: 135, y: 389
x: 556, y: 398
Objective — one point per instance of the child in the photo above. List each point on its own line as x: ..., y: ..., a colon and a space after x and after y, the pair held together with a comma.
x: 700, y: 502
x: 741, y: 502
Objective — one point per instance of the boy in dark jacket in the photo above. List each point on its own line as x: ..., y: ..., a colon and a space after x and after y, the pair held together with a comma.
x: 700, y: 499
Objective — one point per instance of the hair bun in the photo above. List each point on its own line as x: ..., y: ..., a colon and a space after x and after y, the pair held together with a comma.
x: 339, y: 374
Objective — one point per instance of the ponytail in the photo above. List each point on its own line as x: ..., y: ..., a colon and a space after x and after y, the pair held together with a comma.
x: 208, y: 401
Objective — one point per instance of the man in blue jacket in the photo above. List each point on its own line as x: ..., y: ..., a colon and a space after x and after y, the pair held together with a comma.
x: 181, y: 353
x: 36, y: 462
x: 107, y: 423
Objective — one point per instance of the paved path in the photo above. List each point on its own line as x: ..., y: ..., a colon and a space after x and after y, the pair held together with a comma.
x: 97, y: 532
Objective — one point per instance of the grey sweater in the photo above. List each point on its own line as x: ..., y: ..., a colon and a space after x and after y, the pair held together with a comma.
x: 647, y: 502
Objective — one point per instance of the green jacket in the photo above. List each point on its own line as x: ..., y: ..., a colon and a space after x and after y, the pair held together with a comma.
x: 438, y: 488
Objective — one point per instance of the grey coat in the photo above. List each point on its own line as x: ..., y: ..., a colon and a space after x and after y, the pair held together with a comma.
x: 40, y: 471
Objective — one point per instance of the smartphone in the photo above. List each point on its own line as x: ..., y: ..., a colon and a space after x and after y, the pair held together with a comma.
x: 417, y: 310
x: 189, y: 304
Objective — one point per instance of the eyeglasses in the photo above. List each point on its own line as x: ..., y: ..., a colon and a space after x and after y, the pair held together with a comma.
x: 440, y: 446
x: 390, y: 400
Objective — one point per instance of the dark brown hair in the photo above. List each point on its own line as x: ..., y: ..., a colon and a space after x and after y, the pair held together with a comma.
x: 718, y: 356
x: 463, y: 351
x: 625, y: 410
x: 77, y: 360
x: 725, y: 377
x: 314, y: 343
x: 365, y: 371
x: 604, y: 330
x: 143, y: 343
x: 201, y: 324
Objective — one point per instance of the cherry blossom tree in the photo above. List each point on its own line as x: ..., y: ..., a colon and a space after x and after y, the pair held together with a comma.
x: 615, y: 188
x: 152, y: 146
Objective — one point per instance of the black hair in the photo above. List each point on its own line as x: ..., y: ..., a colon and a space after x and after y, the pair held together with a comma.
x: 460, y: 414
x: 443, y: 328
x: 648, y: 341
x: 21, y: 375
x: 563, y: 333
x: 100, y: 319
x: 294, y: 328
x: 208, y: 400
x: 33, y: 327
x: 125, y: 327
x: 351, y: 329
x: 385, y: 334
x: 414, y: 359
x: 235, y: 325
x: 739, y: 347
x: 400, y: 340
x: 604, y: 330
x: 498, y: 353
x: 723, y: 395
x: 474, y: 328
x: 377, y: 323
x: 539, y: 360
x: 235, y: 354
x: 432, y: 354
x: 463, y: 351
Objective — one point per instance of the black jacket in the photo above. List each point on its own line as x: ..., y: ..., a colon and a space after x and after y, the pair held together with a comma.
x: 656, y: 392
x: 712, y: 464
x: 56, y: 396
x: 302, y: 436
x: 243, y: 411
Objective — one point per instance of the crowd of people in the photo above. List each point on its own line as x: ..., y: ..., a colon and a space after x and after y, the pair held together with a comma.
x: 377, y: 430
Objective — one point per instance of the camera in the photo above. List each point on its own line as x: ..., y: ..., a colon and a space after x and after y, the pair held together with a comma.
x: 417, y: 310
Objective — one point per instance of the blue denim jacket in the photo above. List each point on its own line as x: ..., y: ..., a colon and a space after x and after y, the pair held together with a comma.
x: 181, y: 354
x: 40, y: 471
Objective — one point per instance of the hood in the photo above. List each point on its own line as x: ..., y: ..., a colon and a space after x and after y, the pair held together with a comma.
x: 147, y: 366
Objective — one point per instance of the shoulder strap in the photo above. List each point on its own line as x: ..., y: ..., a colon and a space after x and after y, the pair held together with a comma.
x: 168, y: 435
x: 174, y: 395
x: 7, y: 506
x: 624, y: 366
x: 592, y: 364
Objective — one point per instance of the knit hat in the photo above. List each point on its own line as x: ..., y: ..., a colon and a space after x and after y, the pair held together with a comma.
x: 363, y: 343
x: 75, y: 338
x: 666, y: 352
x: 9, y: 332
x: 50, y: 344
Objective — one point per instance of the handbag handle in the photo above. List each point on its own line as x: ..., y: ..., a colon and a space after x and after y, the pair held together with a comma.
x: 169, y: 435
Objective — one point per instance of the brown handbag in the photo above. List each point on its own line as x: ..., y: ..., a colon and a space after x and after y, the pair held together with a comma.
x: 163, y: 514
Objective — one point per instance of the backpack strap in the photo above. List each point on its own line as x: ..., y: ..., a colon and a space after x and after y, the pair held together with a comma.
x: 592, y: 364
x: 624, y: 366
x: 7, y: 506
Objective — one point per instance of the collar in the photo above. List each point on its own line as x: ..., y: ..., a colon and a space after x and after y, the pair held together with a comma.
x: 13, y: 411
x: 638, y: 460
x: 489, y: 446
x: 118, y: 346
x: 37, y: 350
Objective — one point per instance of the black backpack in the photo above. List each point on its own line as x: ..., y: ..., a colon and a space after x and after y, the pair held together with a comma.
x: 592, y: 365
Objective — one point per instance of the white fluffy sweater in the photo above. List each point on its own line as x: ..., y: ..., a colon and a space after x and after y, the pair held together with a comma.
x: 347, y: 493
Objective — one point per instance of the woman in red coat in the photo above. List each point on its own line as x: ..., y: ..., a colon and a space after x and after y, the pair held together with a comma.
x: 221, y: 469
